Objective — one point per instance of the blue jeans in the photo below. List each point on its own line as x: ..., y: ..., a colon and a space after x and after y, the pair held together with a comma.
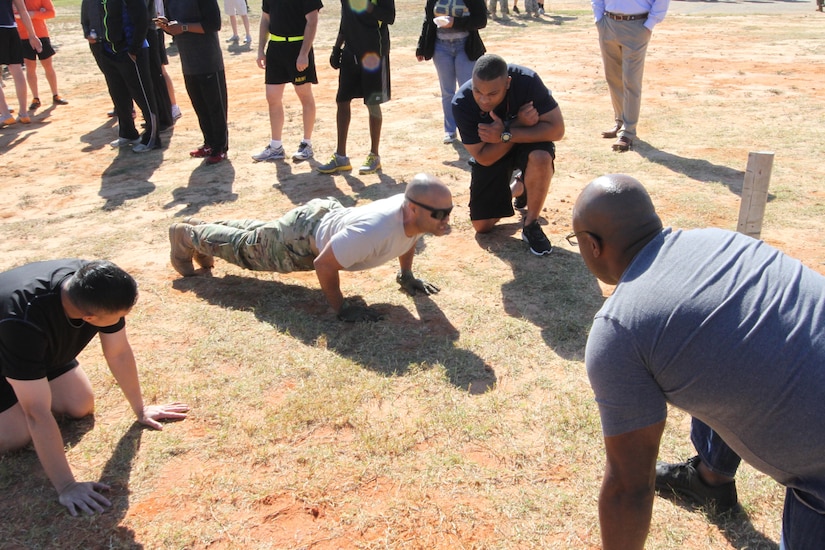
x: 803, y: 528
x: 714, y: 452
x: 453, y: 67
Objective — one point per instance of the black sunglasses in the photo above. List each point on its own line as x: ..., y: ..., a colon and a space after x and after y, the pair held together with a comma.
x: 437, y: 213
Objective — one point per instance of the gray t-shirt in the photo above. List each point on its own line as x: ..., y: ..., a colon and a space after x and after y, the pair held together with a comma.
x: 366, y: 236
x: 728, y: 329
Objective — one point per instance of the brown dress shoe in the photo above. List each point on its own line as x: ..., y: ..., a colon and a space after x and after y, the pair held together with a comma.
x: 623, y: 144
x: 613, y: 132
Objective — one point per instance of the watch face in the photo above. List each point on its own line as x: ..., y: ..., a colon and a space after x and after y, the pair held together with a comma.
x: 505, y: 136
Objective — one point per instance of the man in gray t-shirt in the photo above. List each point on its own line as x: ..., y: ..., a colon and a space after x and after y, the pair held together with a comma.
x: 324, y: 236
x: 716, y: 323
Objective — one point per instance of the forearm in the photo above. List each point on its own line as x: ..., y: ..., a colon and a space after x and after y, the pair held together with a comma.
x: 48, y: 444
x: 263, y: 34
x: 310, y: 30
x: 24, y: 17
x: 490, y: 153
x: 331, y: 286
x: 543, y: 131
x: 405, y: 261
x: 124, y: 368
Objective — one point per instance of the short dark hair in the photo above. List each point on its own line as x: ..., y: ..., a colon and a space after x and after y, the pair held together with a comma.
x: 490, y: 67
x: 101, y: 287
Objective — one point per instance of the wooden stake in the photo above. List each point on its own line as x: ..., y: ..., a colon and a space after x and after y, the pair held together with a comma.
x: 755, y: 193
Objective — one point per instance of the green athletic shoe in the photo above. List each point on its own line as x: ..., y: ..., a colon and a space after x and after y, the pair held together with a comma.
x: 371, y: 165
x: 336, y: 163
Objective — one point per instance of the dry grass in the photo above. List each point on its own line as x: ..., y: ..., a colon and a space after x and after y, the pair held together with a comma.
x: 462, y: 421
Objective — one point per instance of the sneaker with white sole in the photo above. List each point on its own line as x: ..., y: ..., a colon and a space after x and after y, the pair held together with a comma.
x: 534, y: 236
x: 336, y: 164
x: 146, y: 147
x: 448, y: 138
x: 124, y: 142
x: 233, y: 39
x: 269, y: 154
x: 176, y: 114
x: 371, y: 165
x: 304, y: 152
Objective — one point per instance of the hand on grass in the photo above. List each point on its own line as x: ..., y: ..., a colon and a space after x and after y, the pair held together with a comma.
x: 84, y: 497
x: 170, y: 411
x: 411, y: 285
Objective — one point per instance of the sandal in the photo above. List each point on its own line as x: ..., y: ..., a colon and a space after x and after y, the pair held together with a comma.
x: 623, y: 144
x: 613, y: 132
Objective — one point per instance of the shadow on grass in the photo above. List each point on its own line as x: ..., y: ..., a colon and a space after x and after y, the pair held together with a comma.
x: 99, y: 137
x: 127, y: 177
x: 32, y: 516
x: 208, y: 184
x: 388, y: 347
x: 303, y: 187
x: 735, y: 525
x: 699, y: 170
x: 556, y: 292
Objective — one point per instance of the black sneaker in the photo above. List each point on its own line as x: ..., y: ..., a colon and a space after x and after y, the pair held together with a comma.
x: 534, y: 236
x: 682, y: 479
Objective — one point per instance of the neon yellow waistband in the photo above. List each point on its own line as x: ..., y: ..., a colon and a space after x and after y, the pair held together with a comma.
x: 276, y: 38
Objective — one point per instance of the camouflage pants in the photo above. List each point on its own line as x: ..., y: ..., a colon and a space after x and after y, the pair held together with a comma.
x: 283, y: 245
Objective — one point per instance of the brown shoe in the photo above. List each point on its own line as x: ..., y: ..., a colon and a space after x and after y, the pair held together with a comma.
x: 613, y: 132
x: 206, y: 261
x: 623, y: 144
x: 182, y: 251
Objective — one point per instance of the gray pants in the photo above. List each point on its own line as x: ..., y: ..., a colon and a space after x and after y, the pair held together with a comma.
x: 283, y: 245
x: 624, y: 46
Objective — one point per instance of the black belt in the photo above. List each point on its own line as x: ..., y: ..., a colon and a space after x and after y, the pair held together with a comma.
x: 622, y: 17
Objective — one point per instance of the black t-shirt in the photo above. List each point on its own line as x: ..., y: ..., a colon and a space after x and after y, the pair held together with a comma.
x: 36, y: 336
x: 525, y: 86
x: 367, y: 33
x: 288, y: 17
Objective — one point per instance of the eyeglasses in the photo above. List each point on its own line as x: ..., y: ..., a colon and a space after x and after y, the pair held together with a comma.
x: 572, y: 241
x: 437, y: 213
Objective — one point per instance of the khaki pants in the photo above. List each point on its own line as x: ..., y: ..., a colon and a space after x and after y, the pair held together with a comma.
x: 624, y: 46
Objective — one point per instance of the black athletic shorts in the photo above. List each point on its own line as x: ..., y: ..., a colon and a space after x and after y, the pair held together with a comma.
x: 8, y: 398
x: 280, y: 64
x: 490, y: 195
x: 368, y: 78
x: 30, y: 53
x: 11, y: 51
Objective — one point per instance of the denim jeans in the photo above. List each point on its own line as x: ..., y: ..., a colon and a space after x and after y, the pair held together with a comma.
x: 453, y: 67
x: 714, y: 452
x: 803, y: 528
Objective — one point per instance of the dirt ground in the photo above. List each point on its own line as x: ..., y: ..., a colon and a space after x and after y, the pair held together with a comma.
x: 722, y: 79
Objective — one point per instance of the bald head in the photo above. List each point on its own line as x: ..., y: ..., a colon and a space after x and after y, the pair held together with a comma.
x: 618, y: 212
x: 426, y: 186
